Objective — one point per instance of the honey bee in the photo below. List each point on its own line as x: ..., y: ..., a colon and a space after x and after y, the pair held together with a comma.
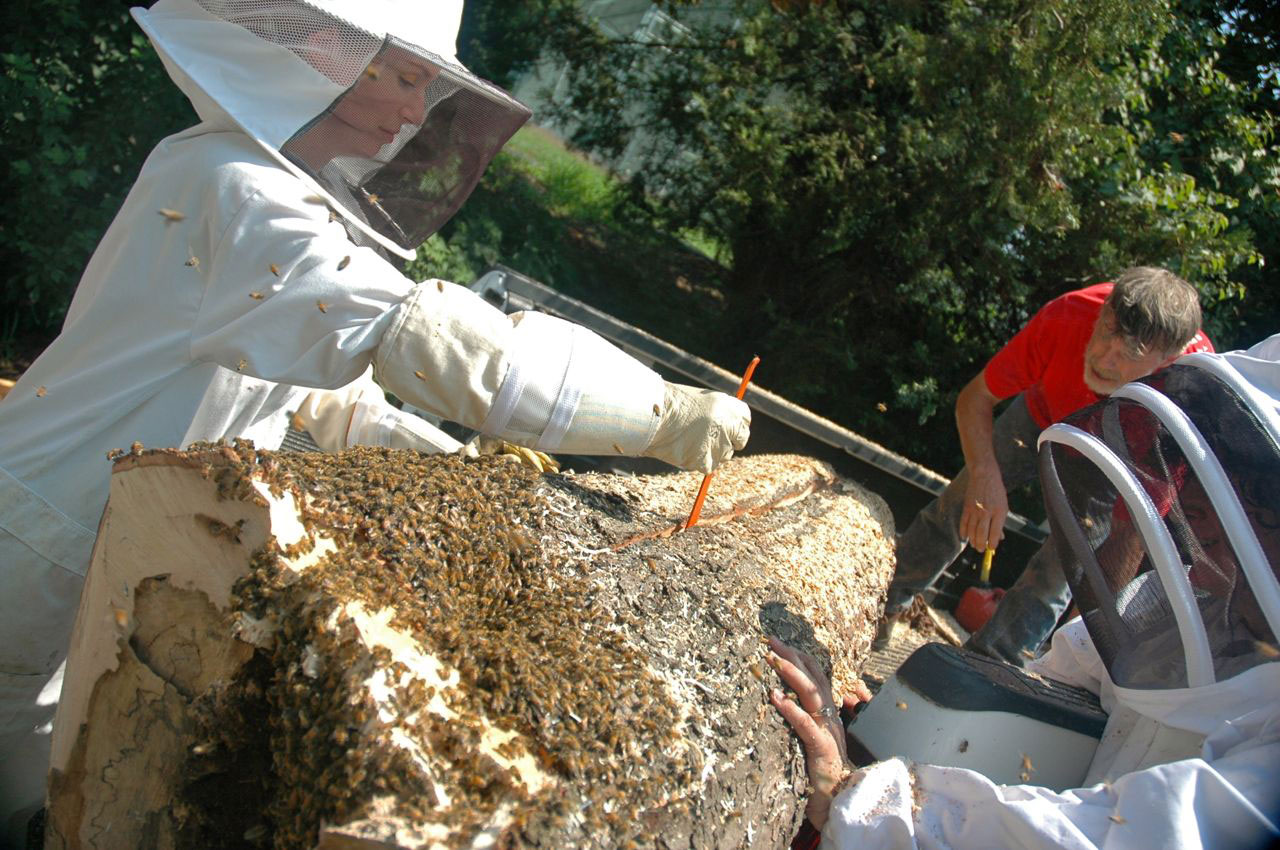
x: 617, y: 448
x: 333, y: 215
x: 902, y: 706
x: 315, y: 199
x: 373, y: 198
x: 418, y: 374
x: 439, y: 286
x: 408, y: 79
x: 40, y: 392
x: 371, y: 72
x: 881, y: 406
x: 193, y: 262
x: 171, y: 215
x: 657, y: 411
x: 343, y: 263
x: 322, y: 307
x: 275, y: 270
x: 241, y: 364
x: 1116, y: 819
x: 256, y: 296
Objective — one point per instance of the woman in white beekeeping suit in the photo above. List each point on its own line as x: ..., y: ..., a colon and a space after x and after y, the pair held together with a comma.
x: 1179, y: 594
x: 248, y: 267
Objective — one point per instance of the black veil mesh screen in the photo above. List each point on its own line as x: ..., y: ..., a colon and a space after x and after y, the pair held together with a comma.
x: 1110, y: 572
x: 407, y: 143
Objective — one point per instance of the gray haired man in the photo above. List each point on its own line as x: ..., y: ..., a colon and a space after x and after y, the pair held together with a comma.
x: 1079, y: 347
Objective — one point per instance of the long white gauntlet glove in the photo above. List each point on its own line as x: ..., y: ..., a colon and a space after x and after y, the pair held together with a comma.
x: 548, y: 384
x: 700, y: 429
x: 359, y: 414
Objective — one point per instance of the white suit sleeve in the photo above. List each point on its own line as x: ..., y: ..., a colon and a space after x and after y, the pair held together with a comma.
x: 287, y: 296
x: 1190, y: 804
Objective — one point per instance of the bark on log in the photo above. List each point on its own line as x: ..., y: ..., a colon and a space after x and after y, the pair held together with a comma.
x: 392, y: 650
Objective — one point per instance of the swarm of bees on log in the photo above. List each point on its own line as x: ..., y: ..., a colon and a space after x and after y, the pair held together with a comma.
x: 544, y: 674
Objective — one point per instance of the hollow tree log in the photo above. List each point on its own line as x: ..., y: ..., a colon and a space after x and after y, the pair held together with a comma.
x: 386, y: 649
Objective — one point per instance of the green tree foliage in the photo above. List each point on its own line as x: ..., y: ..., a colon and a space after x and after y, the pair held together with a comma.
x: 500, y: 41
x: 1211, y: 114
x: 83, y: 99
x: 899, y: 185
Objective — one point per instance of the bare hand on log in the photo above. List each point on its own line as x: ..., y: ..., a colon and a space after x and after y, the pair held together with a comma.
x: 816, y: 720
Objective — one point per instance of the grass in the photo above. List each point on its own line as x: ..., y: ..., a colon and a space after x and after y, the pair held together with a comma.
x: 574, y: 187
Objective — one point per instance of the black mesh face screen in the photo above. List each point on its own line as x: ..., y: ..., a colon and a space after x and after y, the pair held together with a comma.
x: 1117, y: 590
x: 407, y: 143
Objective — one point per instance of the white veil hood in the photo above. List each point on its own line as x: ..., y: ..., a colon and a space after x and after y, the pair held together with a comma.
x: 252, y: 64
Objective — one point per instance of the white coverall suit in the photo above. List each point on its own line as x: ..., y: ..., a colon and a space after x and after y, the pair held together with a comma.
x: 1190, y: 767
x: 225, y: 291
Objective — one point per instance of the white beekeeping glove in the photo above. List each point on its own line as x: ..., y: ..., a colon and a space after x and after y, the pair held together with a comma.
x: 700, y: 429
x: 383, y: 425
x: 541, y: 382
x: 359, y: 414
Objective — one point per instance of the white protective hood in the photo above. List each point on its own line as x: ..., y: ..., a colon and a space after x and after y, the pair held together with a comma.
x: 235, y: 78
x: 1185, y: 767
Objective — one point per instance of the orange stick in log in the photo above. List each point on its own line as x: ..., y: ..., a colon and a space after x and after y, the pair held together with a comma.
x: 706, y: 479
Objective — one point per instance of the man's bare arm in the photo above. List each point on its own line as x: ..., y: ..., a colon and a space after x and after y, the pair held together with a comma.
x: 986, y: 503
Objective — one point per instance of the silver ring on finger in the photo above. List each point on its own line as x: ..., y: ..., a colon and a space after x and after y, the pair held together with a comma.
x: 825, y: 713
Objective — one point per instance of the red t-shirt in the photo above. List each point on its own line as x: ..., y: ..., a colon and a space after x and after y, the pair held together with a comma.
x: 1045, y: 360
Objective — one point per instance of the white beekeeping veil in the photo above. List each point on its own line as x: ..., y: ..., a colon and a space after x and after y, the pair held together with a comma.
x: 1165, y: 503
x: 363, y: 99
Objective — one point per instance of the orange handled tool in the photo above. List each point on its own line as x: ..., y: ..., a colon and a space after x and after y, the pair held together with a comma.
x: 706, y: 479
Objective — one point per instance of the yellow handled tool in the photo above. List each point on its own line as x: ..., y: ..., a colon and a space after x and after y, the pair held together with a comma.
x: 985, y: 576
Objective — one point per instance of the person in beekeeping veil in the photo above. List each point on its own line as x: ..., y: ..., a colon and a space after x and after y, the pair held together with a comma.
x: 251, y: 266
x: 1178, y: 636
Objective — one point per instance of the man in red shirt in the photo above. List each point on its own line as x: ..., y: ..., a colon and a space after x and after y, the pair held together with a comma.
x: 1079, y: 347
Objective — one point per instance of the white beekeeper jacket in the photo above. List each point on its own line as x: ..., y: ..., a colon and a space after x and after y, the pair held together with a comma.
x: 234, y: 282
x: 1193, y: 767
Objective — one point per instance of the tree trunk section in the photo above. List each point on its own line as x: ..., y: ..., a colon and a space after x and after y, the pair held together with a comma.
x: 393, y: 650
